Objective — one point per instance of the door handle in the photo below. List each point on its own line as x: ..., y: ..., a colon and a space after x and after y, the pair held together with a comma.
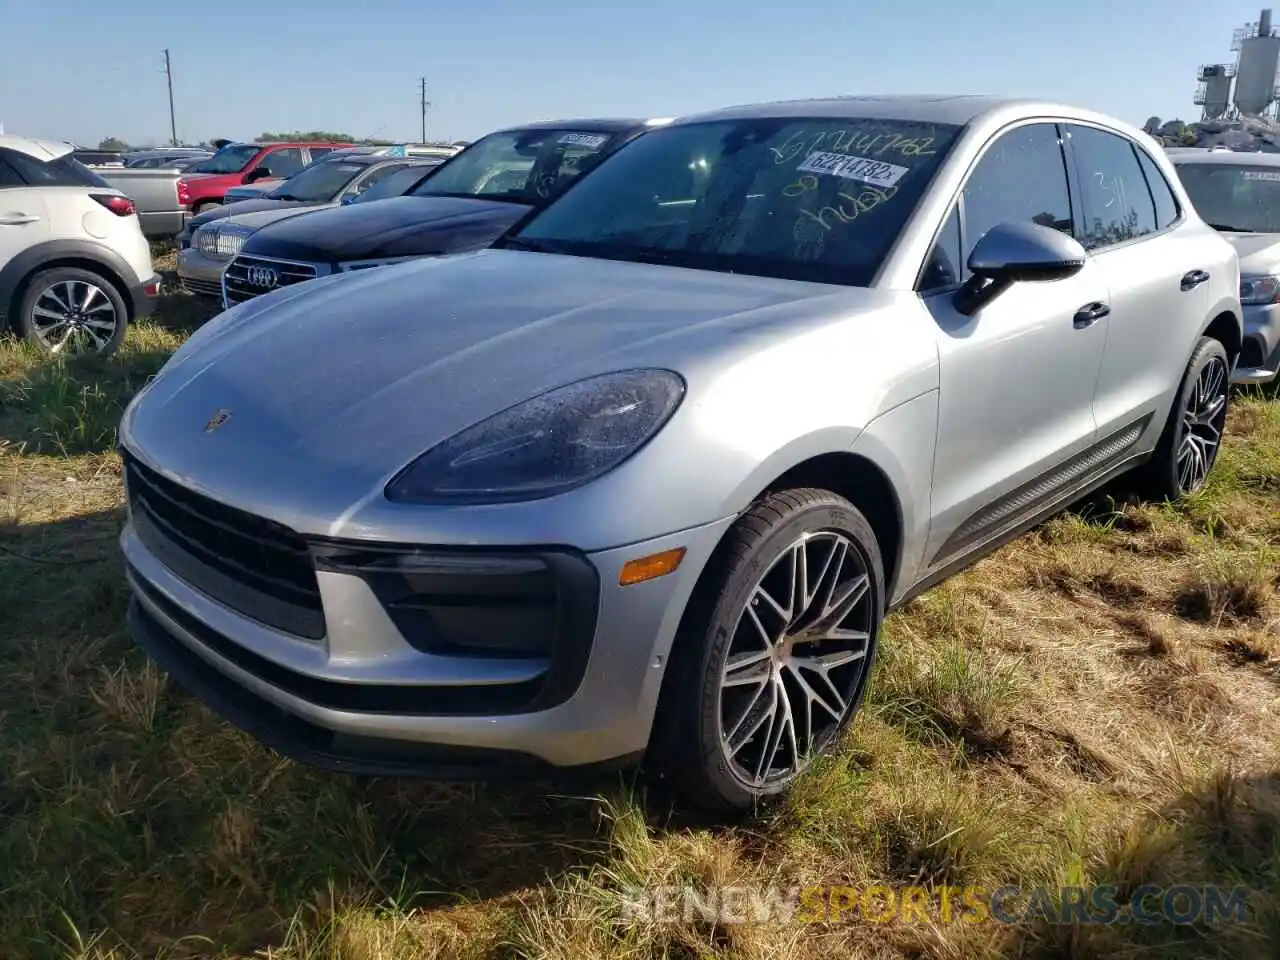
x: 1193, y: 279
x: 17, y: 219
x: 1090, y: 314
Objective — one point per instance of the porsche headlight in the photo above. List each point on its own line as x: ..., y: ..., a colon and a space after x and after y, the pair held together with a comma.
x: 546, y: 445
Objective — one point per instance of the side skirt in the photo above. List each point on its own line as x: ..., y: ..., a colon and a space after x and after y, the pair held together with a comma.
x: 951, y: 560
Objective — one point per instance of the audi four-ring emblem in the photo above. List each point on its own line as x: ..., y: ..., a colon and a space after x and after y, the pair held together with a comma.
x: 263, y: 277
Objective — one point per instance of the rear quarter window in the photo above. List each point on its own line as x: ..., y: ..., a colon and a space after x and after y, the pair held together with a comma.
x: 65, y: 171
x: 9, y: 176
x: 1167, y: 212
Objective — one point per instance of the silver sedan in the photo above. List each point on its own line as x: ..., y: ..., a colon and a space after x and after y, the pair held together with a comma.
x: 644, y: 480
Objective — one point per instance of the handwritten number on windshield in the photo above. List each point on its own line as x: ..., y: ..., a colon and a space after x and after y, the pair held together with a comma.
x: 801, y: 143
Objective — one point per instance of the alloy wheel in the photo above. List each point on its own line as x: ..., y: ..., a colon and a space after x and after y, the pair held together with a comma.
x: 796, y: 660
x: 74, y: 317
x: 1203, y: 420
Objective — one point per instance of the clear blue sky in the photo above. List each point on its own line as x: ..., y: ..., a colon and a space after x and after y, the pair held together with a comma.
x: 87, y: 69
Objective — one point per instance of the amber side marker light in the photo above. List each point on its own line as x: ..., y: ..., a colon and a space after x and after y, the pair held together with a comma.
x: 651, y: 567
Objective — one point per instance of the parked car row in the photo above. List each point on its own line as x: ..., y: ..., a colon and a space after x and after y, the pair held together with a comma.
x: 168, y: 158
x: 462, y: 204
x: 256, y: 189
x: 637, y: 471
x: 168, y: 190
x: 209, y: 241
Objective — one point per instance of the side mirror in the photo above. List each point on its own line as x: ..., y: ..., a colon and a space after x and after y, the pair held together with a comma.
x: 1012, y: 253
x: 256, y: 174
x: 350, y: 198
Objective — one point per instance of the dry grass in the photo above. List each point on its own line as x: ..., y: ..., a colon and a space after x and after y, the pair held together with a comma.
x: 1097, y: 703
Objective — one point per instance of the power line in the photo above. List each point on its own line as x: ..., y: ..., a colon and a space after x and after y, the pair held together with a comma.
x: 173, y: 123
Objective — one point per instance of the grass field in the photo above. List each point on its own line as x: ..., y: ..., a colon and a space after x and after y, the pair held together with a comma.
x: 1099, y: 702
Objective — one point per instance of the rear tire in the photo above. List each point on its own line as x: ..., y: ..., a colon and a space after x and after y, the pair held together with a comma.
x: 772, y: 658
x: 70, y: 311
x: 1192, y: 436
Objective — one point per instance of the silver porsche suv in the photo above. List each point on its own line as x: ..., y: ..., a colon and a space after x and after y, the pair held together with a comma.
x: 642, y: 481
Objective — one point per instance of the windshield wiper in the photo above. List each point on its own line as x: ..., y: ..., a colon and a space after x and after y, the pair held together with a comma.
x: 536, y: 246
x: 498, y: 197
x: 1227, y: 228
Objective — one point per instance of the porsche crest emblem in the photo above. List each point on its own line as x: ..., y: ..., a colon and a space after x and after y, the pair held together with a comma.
x: 217, y: 420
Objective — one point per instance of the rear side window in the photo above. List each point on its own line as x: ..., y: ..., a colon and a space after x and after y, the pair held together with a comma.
x: 65, y: 171
x: 1116, y: 203
x: 378, y: 174
x: 1166, y: 203
x: 396, y: 184
x: 1021, y: 178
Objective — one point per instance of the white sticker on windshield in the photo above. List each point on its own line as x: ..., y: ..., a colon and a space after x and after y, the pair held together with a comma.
x: 1272, y: 175
x: 588, y: 140
x: 875, y: 172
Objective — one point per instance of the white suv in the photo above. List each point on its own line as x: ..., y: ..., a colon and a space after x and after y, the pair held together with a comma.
x: 74, y: 265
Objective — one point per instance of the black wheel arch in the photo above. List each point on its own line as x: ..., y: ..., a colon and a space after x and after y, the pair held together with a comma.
x: 1227, y: 329
x: 84, y: 254
x: 867, y: 487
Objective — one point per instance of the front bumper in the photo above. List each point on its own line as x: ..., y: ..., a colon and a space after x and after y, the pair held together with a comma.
x: 384, y: 688
x: 310, y: 743
x: 1260, y: 354
x: 200, y: 274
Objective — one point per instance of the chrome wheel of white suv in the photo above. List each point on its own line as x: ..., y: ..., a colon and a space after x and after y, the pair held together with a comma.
x: 72, y: 312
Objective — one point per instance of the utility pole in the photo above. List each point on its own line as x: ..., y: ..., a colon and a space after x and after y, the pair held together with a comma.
x: 173, y: 123
x: 423, y: 81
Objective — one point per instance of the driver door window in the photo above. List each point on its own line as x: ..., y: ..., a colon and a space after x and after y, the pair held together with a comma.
x: 1022, y: 177
x: 284, y: 163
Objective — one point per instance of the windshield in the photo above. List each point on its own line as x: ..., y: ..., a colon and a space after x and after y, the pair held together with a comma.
x: 318, y: 183
x: 801, y: 199
x: 230, y: 159
x: 522, y: 166
x: 1234, y: 197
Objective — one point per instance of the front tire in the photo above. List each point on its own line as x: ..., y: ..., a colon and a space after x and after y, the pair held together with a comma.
x: 773, y: 658
x: 69, y: 311
x: 1192, y: 436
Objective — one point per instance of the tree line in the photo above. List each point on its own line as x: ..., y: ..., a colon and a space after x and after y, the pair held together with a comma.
x: 116, y: 145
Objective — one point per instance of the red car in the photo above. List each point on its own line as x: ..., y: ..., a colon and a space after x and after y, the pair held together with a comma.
x: 204, y: 184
